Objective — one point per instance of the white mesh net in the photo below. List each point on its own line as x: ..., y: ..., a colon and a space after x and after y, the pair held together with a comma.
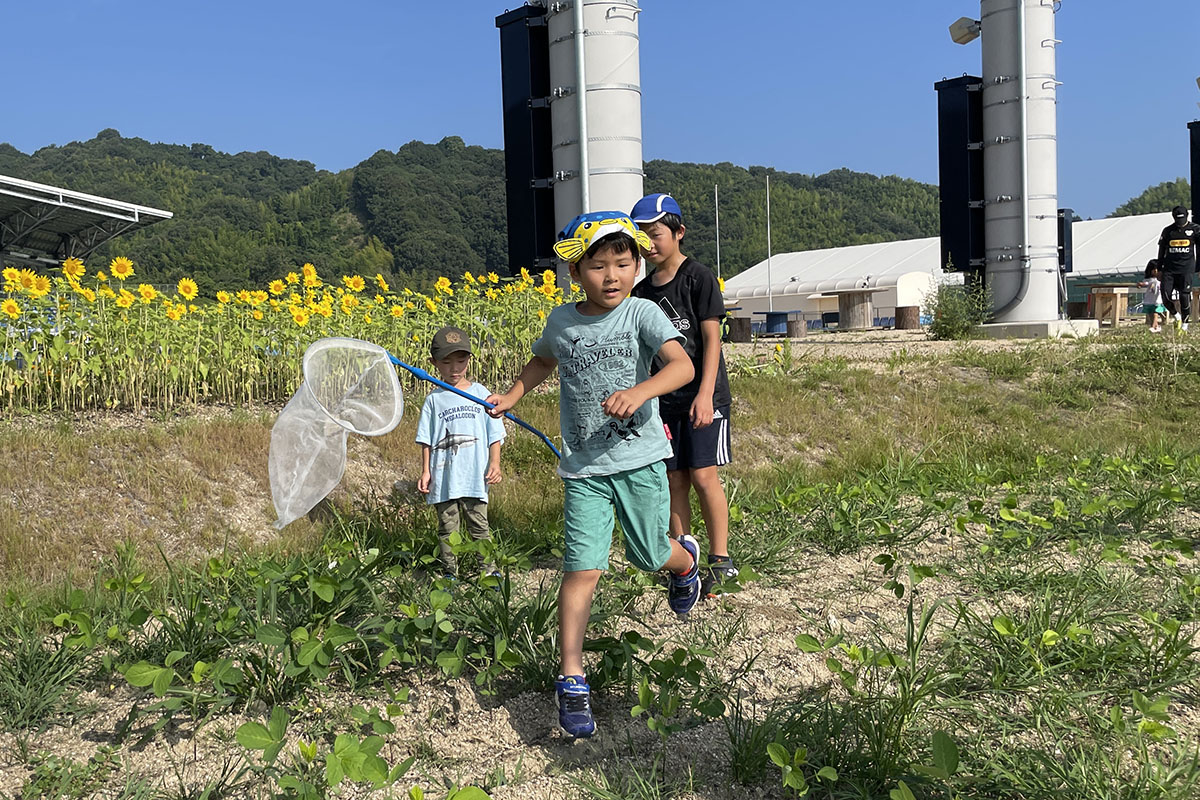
x: 350, y: 386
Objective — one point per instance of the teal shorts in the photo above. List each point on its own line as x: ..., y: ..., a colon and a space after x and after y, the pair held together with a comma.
x: 642, y: 501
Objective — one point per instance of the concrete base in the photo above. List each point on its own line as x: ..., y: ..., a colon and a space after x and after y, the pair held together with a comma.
x: 1049, y: 329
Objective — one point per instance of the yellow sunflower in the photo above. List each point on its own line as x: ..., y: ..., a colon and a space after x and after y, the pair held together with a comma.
x: 300, y: 317
x: 121, y: 268
x: 11, y: 307
x: 125, y: 299
x: 493, y: 277
x: 468, y: 277
x: 73, y: 268
x: 86, y: 294
x: 381, y: 283
x: 397, y: 311
x: 276, y: 286
x: 41, y: 286
x: 258, y: 315
x: 548, y: 277
x: 432, y: 306
x: 443, y: 285
x: 354, y: 283
x: 223, y: 297
x: 525, y: 276
x: 107, y: 292
x: 257, y: 298
x: 292, y: 278
x: 308, y: 269
x: 101, y: 277
x: 187, y: 289
x: 26, y: 278
x: 147, y: 292
x: 312, y: 281
x: 243, y: 295
x: 12, y: 275
x: 175, y: 313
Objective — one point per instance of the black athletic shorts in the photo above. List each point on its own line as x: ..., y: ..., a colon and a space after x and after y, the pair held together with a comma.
x: 692, y: 447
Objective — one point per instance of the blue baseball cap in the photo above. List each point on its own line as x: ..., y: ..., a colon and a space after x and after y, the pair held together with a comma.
x: 652, y: 207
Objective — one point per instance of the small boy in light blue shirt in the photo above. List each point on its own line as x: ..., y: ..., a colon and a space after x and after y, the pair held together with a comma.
x: 613, y: 440
x: 460, y: 446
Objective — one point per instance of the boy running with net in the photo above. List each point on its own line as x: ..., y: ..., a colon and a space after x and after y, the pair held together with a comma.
x: 613, y: 440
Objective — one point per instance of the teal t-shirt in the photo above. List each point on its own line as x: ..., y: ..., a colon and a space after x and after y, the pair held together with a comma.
x: 599, y: 355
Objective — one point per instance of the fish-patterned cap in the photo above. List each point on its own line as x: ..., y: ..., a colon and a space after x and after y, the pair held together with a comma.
x: 575, y: 239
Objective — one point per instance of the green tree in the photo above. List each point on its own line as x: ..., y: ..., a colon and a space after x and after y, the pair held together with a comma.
x: 1157, y: 199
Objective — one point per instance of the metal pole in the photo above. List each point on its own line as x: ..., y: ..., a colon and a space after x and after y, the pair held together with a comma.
x: 581, y: 106
x: 1023, y: 89
x: 717, y: 210
x: 770, y: 286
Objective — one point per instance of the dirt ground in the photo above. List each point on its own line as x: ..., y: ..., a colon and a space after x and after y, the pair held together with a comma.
x: 462, y: 736
x: 869, y: 347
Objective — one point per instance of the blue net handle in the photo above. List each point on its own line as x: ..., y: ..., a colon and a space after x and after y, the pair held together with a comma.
x: 425, y: 376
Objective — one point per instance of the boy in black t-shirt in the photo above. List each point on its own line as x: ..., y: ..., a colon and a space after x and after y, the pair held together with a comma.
x: 697, y: 415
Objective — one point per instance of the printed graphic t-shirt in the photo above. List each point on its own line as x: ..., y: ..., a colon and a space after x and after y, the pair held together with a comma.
x: 458, y: 432
x: 1177, y: 248
x: 599, y: 355
x: 688, y: 299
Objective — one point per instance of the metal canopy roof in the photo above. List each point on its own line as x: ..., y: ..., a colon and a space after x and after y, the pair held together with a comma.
x: 41, y: 225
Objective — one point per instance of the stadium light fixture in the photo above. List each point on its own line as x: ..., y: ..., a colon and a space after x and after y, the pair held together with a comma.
x: 964, y: 30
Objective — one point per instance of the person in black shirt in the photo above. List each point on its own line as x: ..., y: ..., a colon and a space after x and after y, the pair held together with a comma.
x: 1177, y: 262
x: 697, y: 415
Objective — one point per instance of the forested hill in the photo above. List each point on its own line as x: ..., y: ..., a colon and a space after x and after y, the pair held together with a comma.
x: 428, y: 209
x: 1162, y: 197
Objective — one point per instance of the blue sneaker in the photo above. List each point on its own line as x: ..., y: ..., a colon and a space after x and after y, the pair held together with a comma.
x: 684, y: 590
x: 575, y: 706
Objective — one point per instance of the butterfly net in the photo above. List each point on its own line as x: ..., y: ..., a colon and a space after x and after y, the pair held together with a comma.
x: 349, y: 386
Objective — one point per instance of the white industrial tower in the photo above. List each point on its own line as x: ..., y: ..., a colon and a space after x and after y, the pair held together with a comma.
x: 1020, y: 155
x: 596, y: 98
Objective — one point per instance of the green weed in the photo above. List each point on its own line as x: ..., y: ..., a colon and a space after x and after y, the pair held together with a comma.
x: 38, y: 677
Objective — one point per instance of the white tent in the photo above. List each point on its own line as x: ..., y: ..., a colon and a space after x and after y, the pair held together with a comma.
x: 905, y: 271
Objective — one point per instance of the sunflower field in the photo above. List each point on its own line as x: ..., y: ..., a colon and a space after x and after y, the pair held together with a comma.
x: 84, y: 340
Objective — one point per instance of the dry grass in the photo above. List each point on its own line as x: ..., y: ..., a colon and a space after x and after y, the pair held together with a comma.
x: 72, y: 489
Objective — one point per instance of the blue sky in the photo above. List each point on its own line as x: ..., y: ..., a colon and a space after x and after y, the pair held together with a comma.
x: 798, y: 85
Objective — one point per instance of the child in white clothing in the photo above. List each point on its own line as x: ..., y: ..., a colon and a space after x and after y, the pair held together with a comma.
x: 1152, y: 301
